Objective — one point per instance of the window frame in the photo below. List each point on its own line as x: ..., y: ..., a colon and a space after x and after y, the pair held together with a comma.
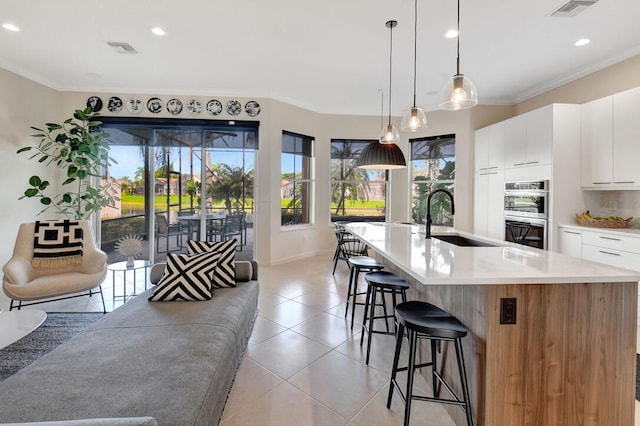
x: 343, y: 154
x: 307, y: 198
x: 417, y: 201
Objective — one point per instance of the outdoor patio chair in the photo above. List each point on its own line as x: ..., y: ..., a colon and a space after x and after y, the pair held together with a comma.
x: 166, y: 230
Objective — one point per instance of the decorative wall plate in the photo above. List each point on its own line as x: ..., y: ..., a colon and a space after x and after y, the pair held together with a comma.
x: 134, y: 105
x: 214, y: 107
x: 252, y: 108
x: 95, y: 103
x: 154, y: 105
x: 234, y: 107
x: 174, y: 106
x: 194, y: 106
x: 114, y: 104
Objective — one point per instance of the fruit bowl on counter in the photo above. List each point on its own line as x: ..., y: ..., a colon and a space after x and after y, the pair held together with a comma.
x: 585, y: 219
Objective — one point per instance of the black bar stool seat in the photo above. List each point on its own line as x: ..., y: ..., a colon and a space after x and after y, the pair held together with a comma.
x: 357, y: 265
x: 382, y: 283
x: 429, y: 319
x: 426, y: 321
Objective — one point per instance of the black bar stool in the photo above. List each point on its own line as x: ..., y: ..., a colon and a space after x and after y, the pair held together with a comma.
x: 383, y: 283
x: 425, y: 321
x: 358, y: 264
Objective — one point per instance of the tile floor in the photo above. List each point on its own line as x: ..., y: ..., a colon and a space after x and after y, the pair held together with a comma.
x: 303, y: 364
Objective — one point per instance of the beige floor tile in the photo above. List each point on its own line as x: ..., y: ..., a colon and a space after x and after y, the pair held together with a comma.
x: 267, y: 299
x: 264, y: 329
x: 340, y: 383
x: 382, y: 350
x: 289, y: 313
x: 375, y: 413
x: 326, y: 329
x: 252, y: 381
x: 288, y: 289
x: 320, y: 299
x: 285, y: 405
x: 287, y: 353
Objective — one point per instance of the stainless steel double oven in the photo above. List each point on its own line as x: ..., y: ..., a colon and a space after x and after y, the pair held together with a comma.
x: 525, y: 212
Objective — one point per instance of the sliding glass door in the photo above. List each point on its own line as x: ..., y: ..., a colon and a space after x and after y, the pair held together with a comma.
x: 179, y: 181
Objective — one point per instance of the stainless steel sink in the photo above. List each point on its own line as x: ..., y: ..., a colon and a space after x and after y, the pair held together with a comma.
x: 459, y: 240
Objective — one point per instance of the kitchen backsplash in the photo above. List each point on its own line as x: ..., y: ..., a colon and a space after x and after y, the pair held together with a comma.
x: 614, y: 203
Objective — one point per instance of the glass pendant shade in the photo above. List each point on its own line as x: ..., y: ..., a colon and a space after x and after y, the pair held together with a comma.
x: 459, y: 93
x: 413, y: 120
x: 389, y: 134
x: 381, y: 157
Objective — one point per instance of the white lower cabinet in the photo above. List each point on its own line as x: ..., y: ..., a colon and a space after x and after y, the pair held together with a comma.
x: 607, y: 247
x: 488, y: 218
x: 570, y: 241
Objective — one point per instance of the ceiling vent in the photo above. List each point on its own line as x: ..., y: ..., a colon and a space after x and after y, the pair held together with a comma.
x: 122, y: 47
x: 573, y: 7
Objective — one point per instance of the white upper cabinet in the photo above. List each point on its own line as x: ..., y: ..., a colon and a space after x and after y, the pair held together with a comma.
x: 515, y: 141
x: 611, y: 142
x: 626, y: 138
x: 597, y: 142
x: 528, y: 138
x: 489, y: 148
x: 540, y: 136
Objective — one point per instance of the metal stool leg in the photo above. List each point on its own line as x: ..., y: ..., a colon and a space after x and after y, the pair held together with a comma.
x: 346, y: 309
x: 396, y: 359
x: 355, y: 295
x: 463, y: 381
x: 413, y: 337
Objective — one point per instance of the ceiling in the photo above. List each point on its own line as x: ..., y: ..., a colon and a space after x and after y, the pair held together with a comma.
x: 330, y: 56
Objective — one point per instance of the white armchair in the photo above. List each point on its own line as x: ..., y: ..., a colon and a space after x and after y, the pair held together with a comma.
x: 24, y: 283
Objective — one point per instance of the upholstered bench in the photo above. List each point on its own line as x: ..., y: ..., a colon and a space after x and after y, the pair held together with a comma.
x: 171, y: 361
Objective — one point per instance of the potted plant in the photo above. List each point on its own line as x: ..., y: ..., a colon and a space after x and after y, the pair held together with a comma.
x: 80, y: 148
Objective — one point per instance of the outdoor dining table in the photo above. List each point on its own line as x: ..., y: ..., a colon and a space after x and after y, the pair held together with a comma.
x: 193, y: 221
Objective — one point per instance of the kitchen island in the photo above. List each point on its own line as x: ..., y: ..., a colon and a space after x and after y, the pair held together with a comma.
x: 569, y: 359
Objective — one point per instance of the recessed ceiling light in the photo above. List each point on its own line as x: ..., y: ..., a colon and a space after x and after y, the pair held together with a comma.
x: 10, y: 27
x: 582, y: 42
x: 452, y: 33
x: 158, y: 31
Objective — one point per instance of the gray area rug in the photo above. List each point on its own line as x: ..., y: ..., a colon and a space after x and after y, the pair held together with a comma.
x: 56, y: 329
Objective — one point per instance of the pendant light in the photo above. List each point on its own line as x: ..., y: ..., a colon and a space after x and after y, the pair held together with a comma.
x: 459, y: 93
x: 390, y: 132
x: 415, y: 118
x: 381, y: 156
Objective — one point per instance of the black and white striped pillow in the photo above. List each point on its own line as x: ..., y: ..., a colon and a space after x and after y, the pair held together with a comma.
x: 186, y: 277
x: 225, y: 273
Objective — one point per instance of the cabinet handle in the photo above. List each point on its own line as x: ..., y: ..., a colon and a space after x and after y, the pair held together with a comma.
x: 532, y: 162
x: 610, y: 238
x: 625, y: 181
x: 519, y: 164
x: 571, y: 232
x: 608, y: 252
x: 601, y: 183
x: 482, y: 168
x: 492, y: 167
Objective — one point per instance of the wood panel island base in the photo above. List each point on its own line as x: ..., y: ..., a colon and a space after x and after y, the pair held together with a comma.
x: 570, y: 357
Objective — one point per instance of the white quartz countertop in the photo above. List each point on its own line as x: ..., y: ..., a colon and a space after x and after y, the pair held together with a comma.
x: 432, y: 261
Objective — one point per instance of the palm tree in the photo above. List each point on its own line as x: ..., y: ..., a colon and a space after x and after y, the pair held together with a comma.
x: 229, y: 184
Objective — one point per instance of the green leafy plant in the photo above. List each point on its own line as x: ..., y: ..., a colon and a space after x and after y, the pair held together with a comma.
x: 81, y: 149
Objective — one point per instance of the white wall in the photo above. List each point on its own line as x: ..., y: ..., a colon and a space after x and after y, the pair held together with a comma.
x: 23, y: 104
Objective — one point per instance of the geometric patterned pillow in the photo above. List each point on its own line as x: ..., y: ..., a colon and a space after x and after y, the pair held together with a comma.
x: 225, y: 273
x: 186, y: 278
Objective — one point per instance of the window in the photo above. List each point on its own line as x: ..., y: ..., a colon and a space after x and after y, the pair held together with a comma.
x: 296, y: 188
x: 356, y: 194
x: 433, y: 166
